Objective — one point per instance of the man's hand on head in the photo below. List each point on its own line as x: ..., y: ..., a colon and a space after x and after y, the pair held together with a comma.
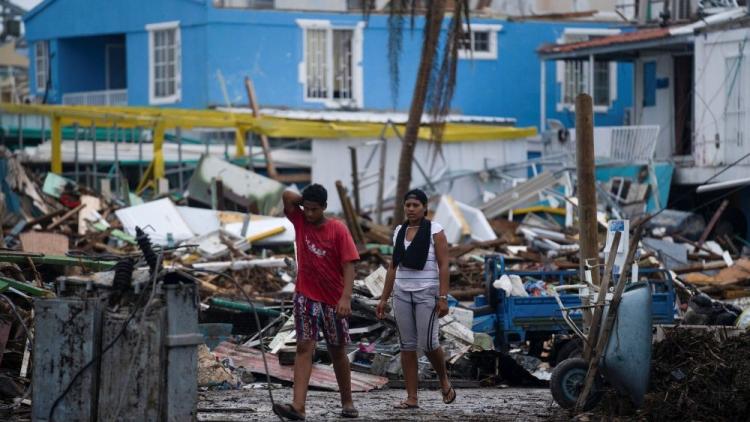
x: 344, y: 307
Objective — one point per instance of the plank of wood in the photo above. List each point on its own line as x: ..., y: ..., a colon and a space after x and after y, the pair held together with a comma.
x: 712, y: 223
x: 599, y: 310
x: 350, y: 216
x: 270, y: 167
x: 65, y: 217
x: 609, y: 320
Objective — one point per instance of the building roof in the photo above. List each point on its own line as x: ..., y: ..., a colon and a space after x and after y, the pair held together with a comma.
x: 624, y: 38
x: 10, y: 57
x: 630, y: 43
x: 371, y: 116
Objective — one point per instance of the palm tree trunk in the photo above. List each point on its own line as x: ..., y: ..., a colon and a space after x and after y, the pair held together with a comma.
x: 433, y: 25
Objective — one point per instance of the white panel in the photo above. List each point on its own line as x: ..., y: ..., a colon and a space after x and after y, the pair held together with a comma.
x: 466, y: 156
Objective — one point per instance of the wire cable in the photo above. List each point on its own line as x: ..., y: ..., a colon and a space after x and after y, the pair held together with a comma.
x: 257, y: 324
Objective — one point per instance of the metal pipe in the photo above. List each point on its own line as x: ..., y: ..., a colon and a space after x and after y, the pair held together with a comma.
x: 20, y: 131
x: 75, y: 154
x: 140, y: 153
x: 94, y: 164
x: 542, y: 95
x: 178, y: 133
x: 722, y: 185
x: 381, y: 182
x: 117, y: 160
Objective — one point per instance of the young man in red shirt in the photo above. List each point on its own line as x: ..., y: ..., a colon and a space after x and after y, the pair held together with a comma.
x: 322, y: 298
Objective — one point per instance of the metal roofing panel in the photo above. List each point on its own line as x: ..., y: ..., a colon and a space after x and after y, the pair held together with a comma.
x: 322, y: 376
x: 627, y: 37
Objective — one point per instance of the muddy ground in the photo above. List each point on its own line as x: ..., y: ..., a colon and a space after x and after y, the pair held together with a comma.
x: 472, y: 404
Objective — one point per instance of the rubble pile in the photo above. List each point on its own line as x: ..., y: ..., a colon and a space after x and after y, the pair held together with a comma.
x: 696, y: 374
x: 59, y: 232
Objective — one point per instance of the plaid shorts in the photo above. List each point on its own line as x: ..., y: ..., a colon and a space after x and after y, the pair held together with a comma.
x: 310, y: 316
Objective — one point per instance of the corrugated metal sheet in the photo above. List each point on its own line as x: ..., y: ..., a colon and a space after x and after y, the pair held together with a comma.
x: 369, y: 116
x: 322, y: 375
x: 628, y: 37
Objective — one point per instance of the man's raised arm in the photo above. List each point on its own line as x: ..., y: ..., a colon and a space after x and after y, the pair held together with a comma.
x: 292, y: 201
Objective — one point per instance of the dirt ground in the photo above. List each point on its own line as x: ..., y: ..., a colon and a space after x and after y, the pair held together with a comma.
x: 472, y: 404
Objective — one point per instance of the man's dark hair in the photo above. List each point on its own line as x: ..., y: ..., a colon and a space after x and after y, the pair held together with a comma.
x: 315, y: 193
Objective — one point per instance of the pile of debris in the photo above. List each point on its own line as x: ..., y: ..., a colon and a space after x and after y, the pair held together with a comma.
x: 228, y: 234
x: 696, y: 374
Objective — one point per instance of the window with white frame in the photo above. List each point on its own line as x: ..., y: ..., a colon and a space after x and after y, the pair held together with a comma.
x: 480, y: 43
x: 331, y: 69
x: 165, y: 73
x: 573, y: 75
x: 41, y: 64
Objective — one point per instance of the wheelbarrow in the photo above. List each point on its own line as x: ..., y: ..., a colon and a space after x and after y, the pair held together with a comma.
x: 622, y: 348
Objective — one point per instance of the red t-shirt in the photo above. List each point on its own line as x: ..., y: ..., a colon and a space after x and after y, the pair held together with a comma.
x: 321, y: 254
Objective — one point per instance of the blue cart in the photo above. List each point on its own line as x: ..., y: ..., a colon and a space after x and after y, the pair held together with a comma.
x: 512, y: 320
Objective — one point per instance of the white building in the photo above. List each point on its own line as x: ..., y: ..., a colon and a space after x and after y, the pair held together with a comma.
x: 692, y: 81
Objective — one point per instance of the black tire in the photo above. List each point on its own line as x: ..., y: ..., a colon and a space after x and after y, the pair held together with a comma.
x: 572, y: 348
x: 567, y: 383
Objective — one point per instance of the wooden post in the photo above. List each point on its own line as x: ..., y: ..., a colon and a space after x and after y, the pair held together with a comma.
x: 609, y: 320
x: 710, y: 227
x: 355, y: 178
x: 586, y: 185
x: 599, y: 310
x: 272, y: 173
x: 352, y: 219
x: 158, y: 160
x: 56, y: 145
x: 381, y: 181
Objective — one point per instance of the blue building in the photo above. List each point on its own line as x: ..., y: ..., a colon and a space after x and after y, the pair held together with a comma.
x: 197, y: 53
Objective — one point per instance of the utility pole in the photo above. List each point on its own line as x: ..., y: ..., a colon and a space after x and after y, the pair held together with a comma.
x: 586, y: 189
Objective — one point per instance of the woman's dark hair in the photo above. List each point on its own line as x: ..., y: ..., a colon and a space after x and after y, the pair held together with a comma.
x: 417, y: 194
x: 315, y: 193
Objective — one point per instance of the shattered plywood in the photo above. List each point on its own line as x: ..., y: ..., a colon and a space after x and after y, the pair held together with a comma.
x: 91, y: 206
x: 737, y: 273
x: 322, y: 376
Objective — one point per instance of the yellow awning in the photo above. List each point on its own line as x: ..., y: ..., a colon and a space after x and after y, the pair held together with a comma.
x: 162, y: 119
x: 170, y: 118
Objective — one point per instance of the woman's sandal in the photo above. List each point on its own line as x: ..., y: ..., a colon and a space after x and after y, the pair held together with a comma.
x: 405, y: 405
x: 449, y: 396
x: 349, y: 412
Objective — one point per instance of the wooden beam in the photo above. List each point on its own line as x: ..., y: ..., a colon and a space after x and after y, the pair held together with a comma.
x: 270, y: 167
x: 711, y: 224
x: 599, y: 310
x: 56, y: 145
x: 609, y: 320
x: 586, y: 189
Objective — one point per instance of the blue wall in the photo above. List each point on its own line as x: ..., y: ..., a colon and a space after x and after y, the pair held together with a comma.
x: 267, y: 46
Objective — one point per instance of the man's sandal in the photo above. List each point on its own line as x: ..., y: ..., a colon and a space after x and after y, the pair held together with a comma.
x: 449, y: 396
x: 288, y: 411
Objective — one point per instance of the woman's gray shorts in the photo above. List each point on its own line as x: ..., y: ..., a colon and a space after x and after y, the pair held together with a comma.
x: 416, y: 318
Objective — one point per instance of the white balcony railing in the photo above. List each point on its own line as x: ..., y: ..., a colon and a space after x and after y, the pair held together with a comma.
x: 621, y: 143
x: 114, y: 97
